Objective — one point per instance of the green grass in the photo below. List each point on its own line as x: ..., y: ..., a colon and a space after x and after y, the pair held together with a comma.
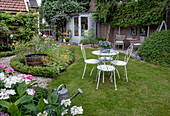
x: 146, y: 93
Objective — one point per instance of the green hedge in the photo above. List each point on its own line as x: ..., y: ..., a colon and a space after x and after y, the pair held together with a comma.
x: 7, y: 53
x: 36, y: 71
x: 156, y: 48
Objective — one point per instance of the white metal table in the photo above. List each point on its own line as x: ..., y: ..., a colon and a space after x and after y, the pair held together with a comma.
x: 97, y: 52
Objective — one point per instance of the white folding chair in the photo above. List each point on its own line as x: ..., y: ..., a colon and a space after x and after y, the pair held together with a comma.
x: 105, y: 66
x: 88, y: 61
x: 125, y: 62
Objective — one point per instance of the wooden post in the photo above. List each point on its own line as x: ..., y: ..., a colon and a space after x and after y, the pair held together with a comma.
x: 119, y: 30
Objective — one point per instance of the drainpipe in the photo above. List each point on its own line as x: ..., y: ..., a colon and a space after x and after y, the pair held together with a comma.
x: 167, y: 13
x: 148, y: 32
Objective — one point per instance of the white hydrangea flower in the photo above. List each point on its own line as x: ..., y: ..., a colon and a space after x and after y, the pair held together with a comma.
x: 4, y: 94
x: 4, y: 97
x: 11, y: 80
x: 11, y: 92
x: 27, y: 81
x: 66, y: 102
x: 64, y: 112
x: 2, y: 76
x: 30, y: 91
x: 8, y: 84
x: 76, y: 110
x: 45, y: 101
x: 44, y: 36
x: 40, y: 33
x: 44, y: 114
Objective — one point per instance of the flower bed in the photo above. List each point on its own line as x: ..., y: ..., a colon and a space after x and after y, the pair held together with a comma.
x: 18, y: 97
x: 59, y: 57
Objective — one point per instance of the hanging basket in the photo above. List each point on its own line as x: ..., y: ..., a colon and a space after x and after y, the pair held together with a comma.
x: 35, y: 59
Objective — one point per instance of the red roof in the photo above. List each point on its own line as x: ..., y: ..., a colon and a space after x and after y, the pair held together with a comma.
x: 13, y: 5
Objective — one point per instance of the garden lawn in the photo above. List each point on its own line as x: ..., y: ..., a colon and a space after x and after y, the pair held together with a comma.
x: 146, y: 93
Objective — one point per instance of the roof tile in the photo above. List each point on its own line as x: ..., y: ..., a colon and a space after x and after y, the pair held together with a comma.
x: 13, y: 5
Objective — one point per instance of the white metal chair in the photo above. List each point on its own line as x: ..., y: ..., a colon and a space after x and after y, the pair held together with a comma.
x: 125, y: 62
x: 88, y: 61
x: 105, y: 66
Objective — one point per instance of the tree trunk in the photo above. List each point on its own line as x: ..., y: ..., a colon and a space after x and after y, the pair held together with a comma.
x: 108, y: 32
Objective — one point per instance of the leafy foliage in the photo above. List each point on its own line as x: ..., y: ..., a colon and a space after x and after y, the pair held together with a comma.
x: 128, y: 12
x: 59, y: 10
x: 155, y: 48
x: 4, y: 31
x: 23, y: 24
x: 104, y: 9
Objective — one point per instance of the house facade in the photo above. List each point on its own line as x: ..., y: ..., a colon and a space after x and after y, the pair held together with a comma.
x: 81, y: 22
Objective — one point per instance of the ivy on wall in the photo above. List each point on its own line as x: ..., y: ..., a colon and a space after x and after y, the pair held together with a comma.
x: 23, y: 25
x: 143, y: 12
x: 130, y: 12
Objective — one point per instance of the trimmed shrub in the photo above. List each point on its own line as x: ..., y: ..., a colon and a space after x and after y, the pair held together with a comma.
x: 84, y: 41
x: 37, y: 70
x: 7, y: 53
x: 156, y: 48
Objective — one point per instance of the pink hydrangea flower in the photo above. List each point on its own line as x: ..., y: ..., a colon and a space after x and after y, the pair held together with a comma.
x: 23, y: 76
x: 29, y: 52
x: 2, y: 66
x: 30, y: 77
x: 48, y: 46
x: 9, y: 70
x: 30, y: 91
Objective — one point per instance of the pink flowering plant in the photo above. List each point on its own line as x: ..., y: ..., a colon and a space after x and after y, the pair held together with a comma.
x: 17, y: 98
x: 15, y: 91
x: 6, y: 70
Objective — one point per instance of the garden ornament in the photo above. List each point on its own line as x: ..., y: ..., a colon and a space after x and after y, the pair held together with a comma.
x: 63, y: 93
x: 79, y: 91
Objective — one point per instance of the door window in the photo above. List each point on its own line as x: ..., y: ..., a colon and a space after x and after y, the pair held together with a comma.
x: 84, y: 25
x: 76, y: 26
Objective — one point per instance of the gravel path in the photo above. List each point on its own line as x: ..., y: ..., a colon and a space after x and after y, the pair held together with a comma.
x: 42, y: 81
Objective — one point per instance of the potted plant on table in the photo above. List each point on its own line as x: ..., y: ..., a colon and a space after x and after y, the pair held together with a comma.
x: 105, y: 45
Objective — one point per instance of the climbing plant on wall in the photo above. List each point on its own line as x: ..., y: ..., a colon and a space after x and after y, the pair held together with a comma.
x: 141, y: 12
x: 23, y: 25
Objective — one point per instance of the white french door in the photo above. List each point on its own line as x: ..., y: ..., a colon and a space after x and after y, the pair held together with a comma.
x: 80, y: 24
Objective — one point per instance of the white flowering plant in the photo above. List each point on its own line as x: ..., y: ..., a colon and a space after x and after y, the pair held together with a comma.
x: 17, y: 98
x: 15, y: 91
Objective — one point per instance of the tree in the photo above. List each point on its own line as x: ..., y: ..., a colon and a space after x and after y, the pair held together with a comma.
x: 104, y: 9
x: 57, y: 11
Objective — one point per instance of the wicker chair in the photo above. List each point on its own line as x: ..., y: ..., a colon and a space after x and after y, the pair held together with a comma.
x: 119, y: 41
